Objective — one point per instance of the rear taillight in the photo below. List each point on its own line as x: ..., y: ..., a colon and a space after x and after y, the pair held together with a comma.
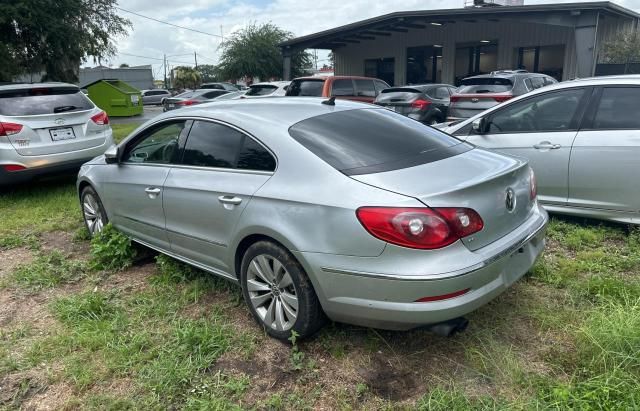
x: 453, y: 99
x: 441, y: 297
x: 502, y: 99
x: 533, y: 185
x: 421, y: 104
x: 422, y: 228
x: 9, y: 129
x: 13, y: 167
x: 186, y: 103
x: 101, y: 118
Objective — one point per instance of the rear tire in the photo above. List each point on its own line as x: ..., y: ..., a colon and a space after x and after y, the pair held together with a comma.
x: 278, y: 292
x: 94, y: 216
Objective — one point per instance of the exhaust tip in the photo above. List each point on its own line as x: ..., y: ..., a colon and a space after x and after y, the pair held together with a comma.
x: 449, y: 328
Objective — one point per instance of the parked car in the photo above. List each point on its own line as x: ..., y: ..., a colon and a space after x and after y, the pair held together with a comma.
x: 479, y: 93
x: 219, y: 86
x: 155, y: 96
x: 363, y: 89
x: 232, y: 95
x: 190, y: 98
x: 427, y: 103
x: 318, y: 208
x: 581, y: 137
x: 47, y: 128
x: 265, y: 89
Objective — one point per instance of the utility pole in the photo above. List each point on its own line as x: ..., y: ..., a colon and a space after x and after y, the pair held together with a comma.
x: 164, y: 63
x: 195, y: 58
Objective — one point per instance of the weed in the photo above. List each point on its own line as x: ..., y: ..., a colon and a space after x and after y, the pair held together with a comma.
x: 111, y: 250
x: 48, y: 270
x: 297, y: 356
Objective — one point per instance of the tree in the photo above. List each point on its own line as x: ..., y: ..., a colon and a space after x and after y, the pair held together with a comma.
x: 55, y: 37
x: 624, y: 48
x: 186, y: 77
x: 255, y: 52
x: 208, y: 72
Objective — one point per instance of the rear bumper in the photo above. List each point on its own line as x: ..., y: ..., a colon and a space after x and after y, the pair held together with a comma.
x: 38, y: 166
x: 387, y: 300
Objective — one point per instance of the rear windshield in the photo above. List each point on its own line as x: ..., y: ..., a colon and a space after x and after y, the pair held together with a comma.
x: 368, y: 141
x: 400, y: 90
x: 262, y: 90
x: 212, y: 86
x: 311, y: 88
x: 485, y: 85
x: 36, y: 101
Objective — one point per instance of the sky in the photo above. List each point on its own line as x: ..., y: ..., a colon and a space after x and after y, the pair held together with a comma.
x: 152, y: 40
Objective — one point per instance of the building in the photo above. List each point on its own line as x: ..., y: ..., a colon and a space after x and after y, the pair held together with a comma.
x: 433, y: 46
x: 140, y: 77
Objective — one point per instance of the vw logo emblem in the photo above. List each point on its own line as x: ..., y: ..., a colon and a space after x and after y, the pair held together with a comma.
x: 59, y: 121
x: 510, y: 200
x: 475, y: 100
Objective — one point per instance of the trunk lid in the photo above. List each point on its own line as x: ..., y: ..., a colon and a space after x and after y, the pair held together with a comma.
x: 468, y: 105
x: 400, y: 99
x: 476, y: 179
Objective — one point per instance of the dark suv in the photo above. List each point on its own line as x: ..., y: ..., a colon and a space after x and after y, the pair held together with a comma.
x: 479, y: 93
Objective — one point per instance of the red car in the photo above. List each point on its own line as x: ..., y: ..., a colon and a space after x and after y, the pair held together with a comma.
x: 364, y: 89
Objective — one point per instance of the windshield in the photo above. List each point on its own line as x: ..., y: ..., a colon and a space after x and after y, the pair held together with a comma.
x: 481, y: 85
x: 373, y: 140
x: 261, y: 90
x: 307, y: 87
x: 27, y: 102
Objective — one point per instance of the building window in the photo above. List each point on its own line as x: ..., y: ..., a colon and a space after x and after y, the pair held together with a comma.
x: 476, y: 58
x: 424, y: 65
x: 548, y: 60
x: 382, y: 68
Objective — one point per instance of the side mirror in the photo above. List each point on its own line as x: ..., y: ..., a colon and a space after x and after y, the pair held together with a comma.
x: 480, y: 125
x: 111, y: 156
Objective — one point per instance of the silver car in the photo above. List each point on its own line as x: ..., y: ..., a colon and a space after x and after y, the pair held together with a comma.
x: 581, y: 137
x: 47, y: 128
x: 323, y: 208
x: 266, y: 89
x: 155, y: 96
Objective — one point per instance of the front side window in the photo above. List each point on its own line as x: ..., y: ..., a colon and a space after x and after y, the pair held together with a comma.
x: 342, y: 87
x: 159, y: 145
x: 216, y: 145
x: 365, y: 88
x: 545, y: 112
x: 618, y: 109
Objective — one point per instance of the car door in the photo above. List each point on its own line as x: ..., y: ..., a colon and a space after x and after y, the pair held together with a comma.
x: 541, y: 129
x: 204, y: 196
x: 606, y: 152
x: 133, y: 187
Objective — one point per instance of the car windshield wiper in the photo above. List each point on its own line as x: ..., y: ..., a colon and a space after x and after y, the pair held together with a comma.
x: 62, y: 109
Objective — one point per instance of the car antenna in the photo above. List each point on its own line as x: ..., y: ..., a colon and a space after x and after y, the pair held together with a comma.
x: 330, y: 102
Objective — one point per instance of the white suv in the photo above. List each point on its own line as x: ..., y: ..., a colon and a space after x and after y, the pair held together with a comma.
x: 46, y: 128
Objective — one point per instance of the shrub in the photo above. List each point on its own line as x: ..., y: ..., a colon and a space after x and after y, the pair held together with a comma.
x: 111, y: 250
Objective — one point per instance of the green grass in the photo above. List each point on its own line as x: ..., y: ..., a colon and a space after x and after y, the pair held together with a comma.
x: 46, y: 271
x: 120, y: 131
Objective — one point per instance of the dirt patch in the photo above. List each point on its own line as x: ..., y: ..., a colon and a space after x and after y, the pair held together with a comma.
x: 12, y: 258
x: 63, y: 242
x: 133, y: 279
x: 388, y: 381
x: 54, y: 397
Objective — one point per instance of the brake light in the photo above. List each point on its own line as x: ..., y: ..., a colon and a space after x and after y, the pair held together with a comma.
x: 13, y: 167
x: 101, y: 118
x: 453, y: 99
x: 502, y: 99
x: 443, y: 296
x: 186, y: 103
x: 421, y: 228
x: 533, y: 185
x: 9, y: 129
x: 421, y: 104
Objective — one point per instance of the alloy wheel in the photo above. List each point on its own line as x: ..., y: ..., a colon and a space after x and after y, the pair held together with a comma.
x: 92, y: 214
x: 272, y: 292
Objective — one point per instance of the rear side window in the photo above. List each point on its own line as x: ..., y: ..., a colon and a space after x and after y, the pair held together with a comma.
x: 342, y: 87
x: 373, y: 140
x: 618, y: 109
x: 215, y: 145
x: 309, y: 88
x: 485, y: 85
x: 261, y: 90
x: 43, y: 101
x: 364, y: 88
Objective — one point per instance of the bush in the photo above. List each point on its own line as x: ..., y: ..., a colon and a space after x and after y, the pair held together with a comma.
x: 111, y: 250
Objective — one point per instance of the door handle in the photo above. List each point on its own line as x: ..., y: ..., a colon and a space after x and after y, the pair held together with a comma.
x: 546, y: 145
x: 230, y: 200
x: 152, y: 192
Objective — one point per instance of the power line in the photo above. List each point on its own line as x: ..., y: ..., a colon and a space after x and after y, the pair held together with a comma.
x: 155, y: 58
x: 167, y: 23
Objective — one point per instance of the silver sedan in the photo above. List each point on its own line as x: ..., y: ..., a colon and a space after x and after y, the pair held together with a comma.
x: 323, y: 209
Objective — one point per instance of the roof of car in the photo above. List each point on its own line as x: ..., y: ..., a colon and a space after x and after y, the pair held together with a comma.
x: 334, y: 77
x: 271, y: 83
x: 23, y: 86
